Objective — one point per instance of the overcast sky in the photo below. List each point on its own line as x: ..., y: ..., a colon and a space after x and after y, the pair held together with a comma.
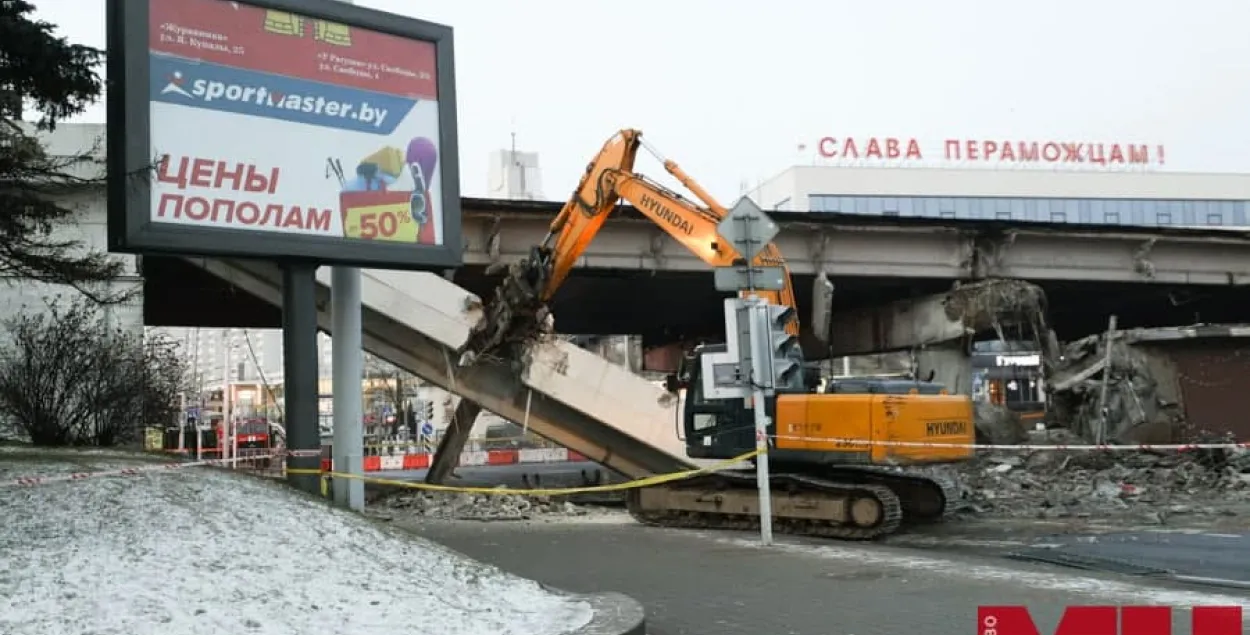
x: 730, y: 88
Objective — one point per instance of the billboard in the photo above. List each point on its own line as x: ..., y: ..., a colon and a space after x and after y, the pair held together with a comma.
x: 287, y: 129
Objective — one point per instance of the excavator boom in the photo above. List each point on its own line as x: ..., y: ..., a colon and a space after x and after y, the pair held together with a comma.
x: 519, y: 310
x: 816, y: 493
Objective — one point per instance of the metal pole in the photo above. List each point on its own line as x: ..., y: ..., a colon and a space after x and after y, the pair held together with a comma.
x: 1100, y: 434
x: 199, y: 398
x: 346, y: 370
x: 223, y: 440
x: 759, y: 330
x: 182, y: 422
x: 347, y: 364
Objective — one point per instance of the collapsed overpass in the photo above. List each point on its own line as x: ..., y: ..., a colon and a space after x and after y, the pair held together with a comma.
x: 573, y: 397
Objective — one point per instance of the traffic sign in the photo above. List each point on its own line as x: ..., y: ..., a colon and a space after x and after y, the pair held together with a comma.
x: 739, y: 277
x: 747, y: 228
x: 427, y: 429
x: 387, y: 410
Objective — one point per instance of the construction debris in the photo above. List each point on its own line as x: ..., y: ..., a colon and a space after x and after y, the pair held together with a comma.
x: 1102, y: 388
x: 1138, y: 487
x: 993, y: 304
x: 480, y: 507
x: 516, y: 317
x: 997, y: 424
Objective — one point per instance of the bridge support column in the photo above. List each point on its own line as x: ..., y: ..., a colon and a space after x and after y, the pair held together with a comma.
x: 949, y: 362
x: 447, y: 455
x: 299, y: 344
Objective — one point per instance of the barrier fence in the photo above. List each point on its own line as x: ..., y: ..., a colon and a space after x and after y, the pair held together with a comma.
x: 484, y: 458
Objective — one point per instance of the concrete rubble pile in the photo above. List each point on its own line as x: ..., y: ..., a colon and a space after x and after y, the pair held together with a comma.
x: 1134, y: 410
x: 483, y: 507
x: 1143, y: 487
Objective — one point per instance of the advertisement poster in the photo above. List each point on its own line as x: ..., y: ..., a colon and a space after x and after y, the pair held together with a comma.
x: 269, y: 121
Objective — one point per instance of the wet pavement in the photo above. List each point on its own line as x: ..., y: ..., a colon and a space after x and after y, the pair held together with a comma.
x: 723, y: 583
x: 1189, y: 555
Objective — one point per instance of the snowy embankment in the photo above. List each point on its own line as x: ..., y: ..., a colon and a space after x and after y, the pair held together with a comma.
x: 198, y: 550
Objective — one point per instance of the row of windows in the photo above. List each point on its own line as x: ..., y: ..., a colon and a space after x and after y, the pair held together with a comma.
x: 1139, y: 212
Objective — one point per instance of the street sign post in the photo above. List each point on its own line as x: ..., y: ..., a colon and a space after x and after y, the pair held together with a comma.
x: 747, y: 228
x: 747, y: 367
x: 739, y: 277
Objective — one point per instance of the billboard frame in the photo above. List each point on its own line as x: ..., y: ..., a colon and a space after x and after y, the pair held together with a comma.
x: 131, y: 166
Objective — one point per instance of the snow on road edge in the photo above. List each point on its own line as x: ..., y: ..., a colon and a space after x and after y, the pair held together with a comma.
x: 204, y: 551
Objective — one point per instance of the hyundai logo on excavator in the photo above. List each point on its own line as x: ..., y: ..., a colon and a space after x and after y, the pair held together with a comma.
x: 660, y: 209
x: 945, y: 428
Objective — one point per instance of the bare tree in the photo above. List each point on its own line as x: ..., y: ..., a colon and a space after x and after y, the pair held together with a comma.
x: 386, y: 381
x: 68, y: 377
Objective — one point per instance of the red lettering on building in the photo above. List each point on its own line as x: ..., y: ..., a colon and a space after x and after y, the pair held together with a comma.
x: 1110, y: 620
x: 873, y: 148
x: 886, y: 149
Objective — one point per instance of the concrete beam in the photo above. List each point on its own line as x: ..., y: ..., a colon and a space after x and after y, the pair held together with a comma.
x: 495, y: 388
x: 936, y: 319
x: 895, y: 326
x: 937, y: 251
x: 447, y: 455
x: 949, y: 364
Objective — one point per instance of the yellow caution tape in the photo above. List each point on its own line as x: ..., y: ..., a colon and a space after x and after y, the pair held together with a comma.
x: 615, y: 487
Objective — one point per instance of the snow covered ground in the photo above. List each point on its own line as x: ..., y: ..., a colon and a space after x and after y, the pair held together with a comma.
x: 199, y: 550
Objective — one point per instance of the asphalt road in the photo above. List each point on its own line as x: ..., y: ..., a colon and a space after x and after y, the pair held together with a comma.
x: 723, y: 583
x: 1214, y: 557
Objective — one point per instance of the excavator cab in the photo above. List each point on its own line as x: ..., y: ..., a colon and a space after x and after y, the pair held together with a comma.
x: 723, y: 428
x: 714, y: 428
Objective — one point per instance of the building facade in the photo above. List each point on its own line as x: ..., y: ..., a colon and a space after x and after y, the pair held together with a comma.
x: 1154, y: 199
x: 89, y: 228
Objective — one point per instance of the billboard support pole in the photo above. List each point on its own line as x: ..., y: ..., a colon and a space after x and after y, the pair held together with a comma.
x: 299, y: 353
x: 346, y: 373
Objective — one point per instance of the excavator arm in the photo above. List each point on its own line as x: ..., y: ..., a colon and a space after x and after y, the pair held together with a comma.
x: 519, y: 310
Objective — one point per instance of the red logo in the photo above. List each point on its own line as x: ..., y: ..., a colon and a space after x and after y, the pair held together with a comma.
x: 1110, y: 620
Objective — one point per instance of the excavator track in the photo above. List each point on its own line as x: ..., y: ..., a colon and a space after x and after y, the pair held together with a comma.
x: 843, y: 503
x: 802, y: 505
x: 926, y: 498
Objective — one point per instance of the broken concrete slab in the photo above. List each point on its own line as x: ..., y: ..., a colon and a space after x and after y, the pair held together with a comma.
x: 1138, y: 487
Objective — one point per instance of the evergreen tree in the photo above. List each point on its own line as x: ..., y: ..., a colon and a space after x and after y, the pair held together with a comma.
x: 43, y: 74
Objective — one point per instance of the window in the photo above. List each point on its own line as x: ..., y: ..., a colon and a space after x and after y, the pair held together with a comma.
x: 1163, y: 218
x: 1058, y: 217
x: 704, y: 421
x: 1215, y: 219
x: 1111, y: 218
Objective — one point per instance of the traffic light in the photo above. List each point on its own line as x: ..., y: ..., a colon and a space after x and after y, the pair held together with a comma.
x: 429, y: 411
x: 785, y: 351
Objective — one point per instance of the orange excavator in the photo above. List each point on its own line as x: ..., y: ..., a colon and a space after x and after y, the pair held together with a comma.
x: 828, y: 478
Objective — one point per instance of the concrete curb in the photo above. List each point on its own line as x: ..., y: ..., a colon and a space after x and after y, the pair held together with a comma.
x: 615, y: 614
